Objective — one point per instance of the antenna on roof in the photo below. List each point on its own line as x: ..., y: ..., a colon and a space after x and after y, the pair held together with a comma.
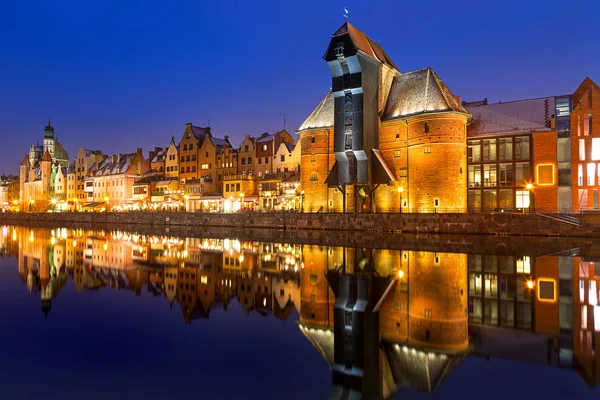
x: 345, y: 13
x: 284, y: 121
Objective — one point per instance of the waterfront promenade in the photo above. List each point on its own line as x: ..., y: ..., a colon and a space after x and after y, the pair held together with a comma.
x: 496, y: 224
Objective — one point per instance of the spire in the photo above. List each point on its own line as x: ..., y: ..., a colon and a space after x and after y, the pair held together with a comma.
x: 47, y: 156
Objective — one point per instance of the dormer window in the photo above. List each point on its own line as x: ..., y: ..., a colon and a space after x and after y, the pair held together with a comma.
x: 264, y: 147
x: 339, y: 51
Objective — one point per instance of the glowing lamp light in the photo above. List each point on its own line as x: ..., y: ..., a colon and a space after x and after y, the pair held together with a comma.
x: 401, y: 274
x: 400, y: 189
x: 529, y: 186
x: 530, y: 284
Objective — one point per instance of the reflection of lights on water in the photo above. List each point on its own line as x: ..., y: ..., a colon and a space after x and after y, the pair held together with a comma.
x: 5, y: 231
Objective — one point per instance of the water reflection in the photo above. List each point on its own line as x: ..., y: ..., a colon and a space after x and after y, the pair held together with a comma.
x: 382, y: 319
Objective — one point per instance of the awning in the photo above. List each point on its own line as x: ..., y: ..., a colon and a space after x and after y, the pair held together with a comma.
x: 250, y: 199
x: 94, y: 204
x: 382, y: 173
x: 211, y: 198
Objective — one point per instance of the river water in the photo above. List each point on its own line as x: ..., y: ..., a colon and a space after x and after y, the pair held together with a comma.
x: 90, y: 314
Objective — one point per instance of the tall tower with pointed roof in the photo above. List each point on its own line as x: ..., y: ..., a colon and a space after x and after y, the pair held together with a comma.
x: 388, y: 140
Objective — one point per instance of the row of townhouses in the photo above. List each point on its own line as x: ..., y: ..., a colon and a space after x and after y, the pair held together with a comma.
x: 380, y: 140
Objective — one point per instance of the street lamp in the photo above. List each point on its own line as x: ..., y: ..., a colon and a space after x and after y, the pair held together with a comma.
x: 53, y: 201
x: 400, y: 191
x: 242, y: 201
x: 529, y: 188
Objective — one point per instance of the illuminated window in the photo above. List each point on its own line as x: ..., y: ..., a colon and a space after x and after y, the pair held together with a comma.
x: 428, y: 313
x: 204, y: 280
x: 545, y: 174
x: 313, y: 158
x: 584, y: 317
x: 474, y: 175
x: 593, y: 293
x: 474, y: 151
x: 204, y: 166
x: 524, y: 265
x: 595, y: 149
x: 597, y: 318
x: 581, y: 149
x: 491, y: 285
x: 591, y: 174
x: 330, y: 203
x: 522, y: 198
x: 314, y: 177
x: 426, y: 149
x: 580, y: 175
x: 489, y: 175
x: 397, y: 153
x: 587, y: 124
x: 522, y: 172
x: 489, y: 150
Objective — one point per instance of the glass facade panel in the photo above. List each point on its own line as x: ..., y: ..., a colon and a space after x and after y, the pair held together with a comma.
x: 474, y: 175
x: 522, y: 148
x: 489, y: 175
x: 474, y: 200
x: 489, y: 200
x: 505, y: 149
x: 506, y: 199
x: 474, y: 151
x: 506, y: 176
x: 522, y: 173
x: 522, y: 199
x: 489, y: 150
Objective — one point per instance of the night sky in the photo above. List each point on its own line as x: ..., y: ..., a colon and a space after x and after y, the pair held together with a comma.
x: 117, y: 75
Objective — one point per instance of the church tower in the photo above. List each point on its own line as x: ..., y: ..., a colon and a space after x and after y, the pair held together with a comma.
x: 49, y: 139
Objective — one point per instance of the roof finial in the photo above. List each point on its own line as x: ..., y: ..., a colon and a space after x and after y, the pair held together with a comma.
x: 346, y: 13
x: 49, y: 121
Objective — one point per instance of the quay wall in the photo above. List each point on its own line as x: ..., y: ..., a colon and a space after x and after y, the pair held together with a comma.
x: 443, y: 223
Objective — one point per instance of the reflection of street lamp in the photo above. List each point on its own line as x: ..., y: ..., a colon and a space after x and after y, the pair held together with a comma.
x: 302, y: 201
x: 31, y: 204
x: 75, y: 201
x: 529, y: 188
x: 106, y: 201
x: 185, y: 200
x: 400, y: 191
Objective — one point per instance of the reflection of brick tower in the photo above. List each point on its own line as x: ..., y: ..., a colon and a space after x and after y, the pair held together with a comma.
x: 316, y: 297
x: 437, y: 296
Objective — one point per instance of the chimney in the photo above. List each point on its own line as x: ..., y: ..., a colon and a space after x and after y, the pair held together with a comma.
x: 226, y: 138
x: 119, y: 158
x: 113, y: 159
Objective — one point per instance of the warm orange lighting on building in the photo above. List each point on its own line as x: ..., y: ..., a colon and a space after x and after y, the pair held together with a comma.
x: 401, y: 274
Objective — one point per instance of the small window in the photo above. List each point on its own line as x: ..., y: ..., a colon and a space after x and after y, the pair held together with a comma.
x: 426, y: 127
x: 314, y: 176
x: 330, y: 203
x: 264, y: 147
x: 266, y: 160
x: 546, y: 290
x: 313, y: 158
x: 313, y: 139
x: 397, y: 153
x: 426, y: 149
x: 436, y: 202
x: 314, y: 279
x: 282, y: 157
x: 428, y: 313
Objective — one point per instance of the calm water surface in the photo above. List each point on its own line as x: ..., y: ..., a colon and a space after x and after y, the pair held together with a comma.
x: 111, y: 314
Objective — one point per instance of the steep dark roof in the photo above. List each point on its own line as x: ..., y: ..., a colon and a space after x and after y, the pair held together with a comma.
x: 511, y: 117
x: 322, y: 116
x: 200, y: 133
x: 420, y: 92
x: 365, y: 44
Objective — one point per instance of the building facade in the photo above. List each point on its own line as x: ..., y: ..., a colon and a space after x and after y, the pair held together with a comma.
x: 378, y: 137
x: 586, y: 146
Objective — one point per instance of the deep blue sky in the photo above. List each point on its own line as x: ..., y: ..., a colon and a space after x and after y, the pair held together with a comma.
x: 117, y: 74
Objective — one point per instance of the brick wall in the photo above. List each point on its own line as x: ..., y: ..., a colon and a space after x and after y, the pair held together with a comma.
x: 544, y: 196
